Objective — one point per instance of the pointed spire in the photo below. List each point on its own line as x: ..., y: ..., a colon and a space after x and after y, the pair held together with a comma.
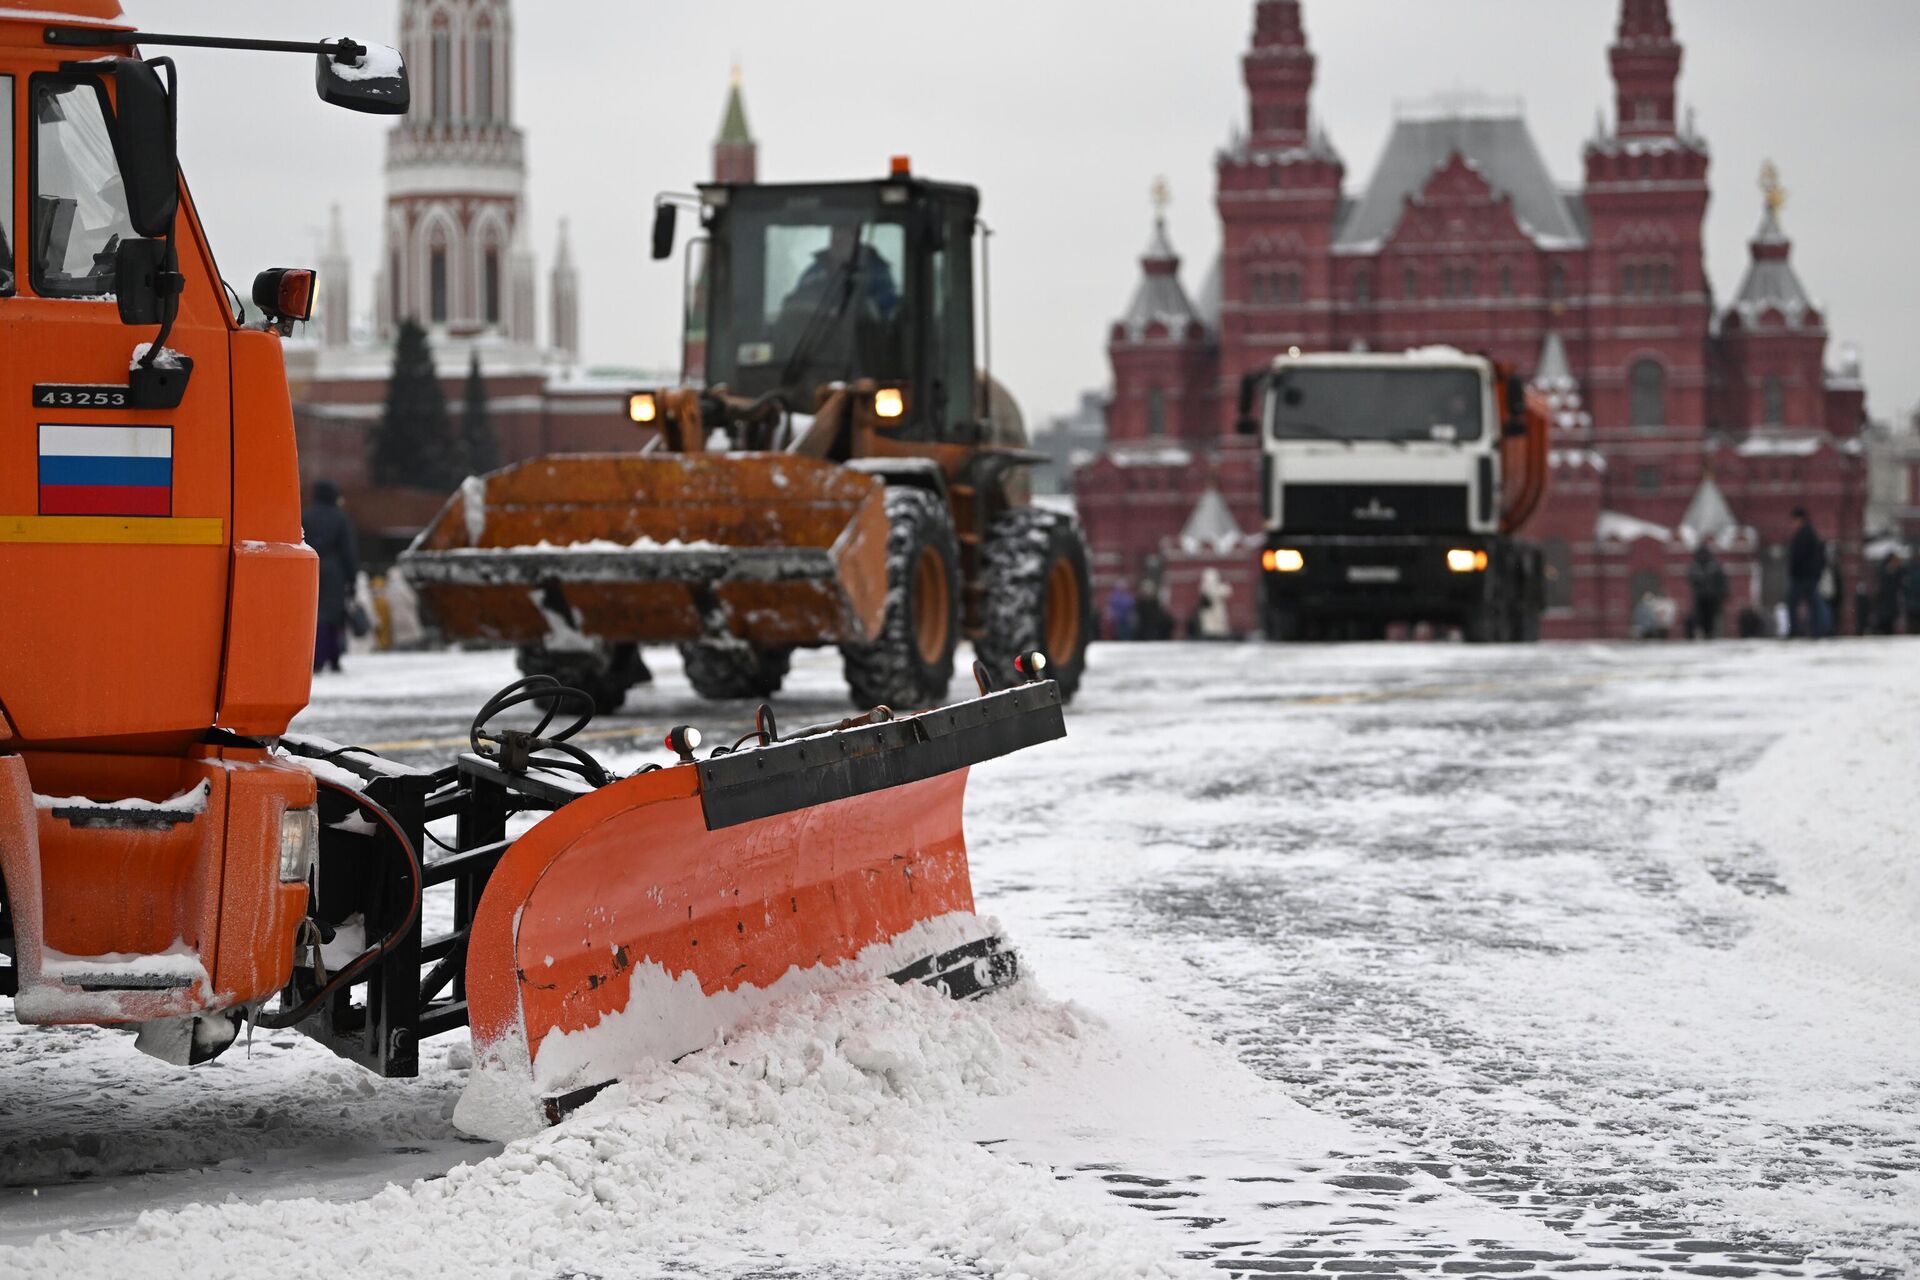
x: 336, y: 234
x: 1279, y: 71
x: 736, y: 156
x: 563, y: 256
x: 1554, y: 370
x: 335, y: 318
x: 1771, y: 285
x: 1160, y: 301
x: 564, y: 293
x: 733, y: 125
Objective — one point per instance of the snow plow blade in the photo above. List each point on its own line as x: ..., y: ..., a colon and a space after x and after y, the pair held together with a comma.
x: 643, y: 920
x: 771, y: 549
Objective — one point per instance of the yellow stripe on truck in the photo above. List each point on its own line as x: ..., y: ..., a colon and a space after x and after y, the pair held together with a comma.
x: 114, y: 530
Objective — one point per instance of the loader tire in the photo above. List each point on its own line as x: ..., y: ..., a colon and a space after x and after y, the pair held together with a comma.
x: 732, y: 673
x: 606, y: 676
x: 1038, y: 594
x: 910, y: 665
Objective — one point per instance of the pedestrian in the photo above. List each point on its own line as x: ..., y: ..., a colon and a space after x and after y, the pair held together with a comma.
x: 1806, y: 568
x: 1122, y: 616
x: 1152, y: 619
x: 1210, y: 620
x: 1910, y: 592
x: 1707, y: 579
x: 1888, y: 604
x: 328, y: 531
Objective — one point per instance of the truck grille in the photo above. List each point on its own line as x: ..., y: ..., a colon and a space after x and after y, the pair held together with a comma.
x: 1374, y: 508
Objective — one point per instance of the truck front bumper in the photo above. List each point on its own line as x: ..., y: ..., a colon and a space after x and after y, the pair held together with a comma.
x: 1396, y: 579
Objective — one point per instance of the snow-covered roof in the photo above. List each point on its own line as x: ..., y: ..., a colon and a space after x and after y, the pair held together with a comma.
x: 1709, y: 515
x: 1779, y: 445
x: 1160, y: 299
x: 1499, y: 146
x: 1553, y: 371
x: 1771, y: 284
x: 1618, y: 526
x: 1166, y: 456
x: 1211, y: 527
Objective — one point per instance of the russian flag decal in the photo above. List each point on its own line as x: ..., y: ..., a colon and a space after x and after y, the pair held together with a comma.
x: 106, y: 471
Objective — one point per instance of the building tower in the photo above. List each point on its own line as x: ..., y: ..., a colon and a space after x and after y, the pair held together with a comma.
x: 1279, y: 196
x: 736, y: 156
x: 456, y: 179
x: 1646, y: 290
x: 1773, y: 339
x: 1161, y: 352
x: 565, y: 292
x: 336, y: 292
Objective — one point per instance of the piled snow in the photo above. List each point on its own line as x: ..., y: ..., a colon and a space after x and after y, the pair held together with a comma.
x: 828, y: 1132
x: 191, y: 801
x: 379, y: 62
x: 178, y: 965
x: 587, y: 546
x: 167, y: 359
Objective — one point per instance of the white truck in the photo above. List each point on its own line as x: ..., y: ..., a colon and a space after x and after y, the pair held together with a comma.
x: 1394, y: 488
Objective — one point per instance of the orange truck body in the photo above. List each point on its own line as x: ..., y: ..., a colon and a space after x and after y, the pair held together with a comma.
x: 130, y: 640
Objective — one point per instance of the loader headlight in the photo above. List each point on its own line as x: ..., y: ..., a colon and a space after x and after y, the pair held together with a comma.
x: 1462, y: 561
x: 644, y: 408
x: 890, y: 404
x: 299, y: 835
x: 1285, y: 560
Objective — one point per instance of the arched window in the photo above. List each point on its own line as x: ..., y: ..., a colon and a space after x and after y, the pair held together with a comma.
x: 1556, y: 282
x: 442, y: 75
x: 1629, y: 280
x: 1446, y: 282
x: 1506, y: 280
x: 1469, y: 283
x: 1410, y: 284
x: 1363, y: 286
x: 483, y: 77
x: 1773, y: 402
x: 1256, y: 287
x: 437, y: 283
x: 1647, y: 383
x: 490, y: 283
x: 1156, y: 412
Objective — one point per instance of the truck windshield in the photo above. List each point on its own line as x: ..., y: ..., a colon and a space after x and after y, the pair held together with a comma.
x: 1397, y: 405
x: 813, y: 292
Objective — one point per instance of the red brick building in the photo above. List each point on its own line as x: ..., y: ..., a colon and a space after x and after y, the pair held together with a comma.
x: 1681, y: 420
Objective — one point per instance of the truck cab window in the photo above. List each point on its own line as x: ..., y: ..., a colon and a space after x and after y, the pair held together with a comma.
x: 6, y: 176
x: 79, y: 202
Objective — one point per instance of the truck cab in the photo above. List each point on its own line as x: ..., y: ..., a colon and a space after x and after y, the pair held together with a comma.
x: 1392, y: 486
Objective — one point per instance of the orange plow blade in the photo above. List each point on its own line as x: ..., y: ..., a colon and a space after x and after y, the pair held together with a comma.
x: 647, y: 918
x: 768, y: 548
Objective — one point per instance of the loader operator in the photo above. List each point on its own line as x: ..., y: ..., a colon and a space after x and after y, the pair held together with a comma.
x: 846, y: 256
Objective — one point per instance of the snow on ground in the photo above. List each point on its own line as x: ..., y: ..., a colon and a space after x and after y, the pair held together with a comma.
x: 1385, y: 959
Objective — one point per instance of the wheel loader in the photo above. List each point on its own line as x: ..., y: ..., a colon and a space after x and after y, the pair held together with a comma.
x: 176, y: 863
x: 842, y: 473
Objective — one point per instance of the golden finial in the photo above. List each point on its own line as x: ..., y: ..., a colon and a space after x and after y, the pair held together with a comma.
x: 733, y: 77
x: 1162, y: 195
x: 1776, y: 195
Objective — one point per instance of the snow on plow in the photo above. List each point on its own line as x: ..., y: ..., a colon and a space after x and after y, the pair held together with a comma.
x: 644, y: 917
x: 770, y: 549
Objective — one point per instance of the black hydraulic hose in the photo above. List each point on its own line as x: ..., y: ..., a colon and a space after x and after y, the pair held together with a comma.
x: 367, y: 959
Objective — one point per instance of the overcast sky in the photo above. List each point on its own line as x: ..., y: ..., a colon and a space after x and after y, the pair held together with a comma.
x: 1063, y: 112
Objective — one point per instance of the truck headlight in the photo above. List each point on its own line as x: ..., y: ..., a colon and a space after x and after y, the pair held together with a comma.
x: 299, y: 835
x: 1286, y: 560
x: 643, y: 409
x: 1462, y: 561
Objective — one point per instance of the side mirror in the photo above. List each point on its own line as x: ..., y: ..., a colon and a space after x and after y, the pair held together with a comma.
x: 371, y: 79
x: 144, y: 282
x: 1248, y: 423
x: 143, y: 143
x: 1516, y: 399
x: 666, y: 219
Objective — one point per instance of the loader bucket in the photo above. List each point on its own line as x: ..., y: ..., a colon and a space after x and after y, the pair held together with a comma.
x: 775, y: 550
x: 646, y: 919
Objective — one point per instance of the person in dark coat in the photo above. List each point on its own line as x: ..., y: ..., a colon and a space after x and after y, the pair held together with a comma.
x: 1707, y: 579
x: 1910, y: 593
x: 330, y: 534
x: 1806, y: 566
x: 1887, y: 595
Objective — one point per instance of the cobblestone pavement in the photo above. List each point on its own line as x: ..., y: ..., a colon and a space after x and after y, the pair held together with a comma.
x: 1501, y: 918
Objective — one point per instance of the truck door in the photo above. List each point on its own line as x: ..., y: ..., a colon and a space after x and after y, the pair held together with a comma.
x: 114, y: 522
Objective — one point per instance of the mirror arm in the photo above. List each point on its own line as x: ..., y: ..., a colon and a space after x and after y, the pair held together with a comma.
x: 98, y: 38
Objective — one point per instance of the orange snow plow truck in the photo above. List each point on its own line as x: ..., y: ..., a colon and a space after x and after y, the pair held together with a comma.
x: 173, y: 861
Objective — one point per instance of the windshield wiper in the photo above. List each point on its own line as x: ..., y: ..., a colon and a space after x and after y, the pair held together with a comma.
x: 1316, y: 431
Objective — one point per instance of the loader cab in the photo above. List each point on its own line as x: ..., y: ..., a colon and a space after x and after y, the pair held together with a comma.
x: 810, y: 285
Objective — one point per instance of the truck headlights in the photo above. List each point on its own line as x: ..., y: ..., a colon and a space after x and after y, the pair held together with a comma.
x: 1286, y: 560
x: 1461, y: 561
x: 299, y: 834
x: 643, y: 409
